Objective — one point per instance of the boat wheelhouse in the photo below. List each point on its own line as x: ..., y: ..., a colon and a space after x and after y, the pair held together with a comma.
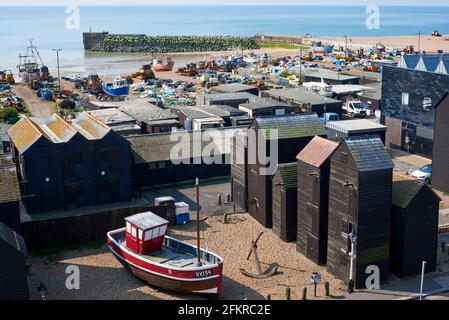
x: 119, y: 87
x: 143, y: 248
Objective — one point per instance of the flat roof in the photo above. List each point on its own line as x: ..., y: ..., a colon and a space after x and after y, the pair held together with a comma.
x: 111, y: 116
x: 264, y: 103
x: 327, y: 74
x: 232, y: 87
x: 356, y: 125
x: 301, y: 96
x: 227, y: 96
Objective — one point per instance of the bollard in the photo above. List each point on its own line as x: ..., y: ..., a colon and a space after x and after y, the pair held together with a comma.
x: 304, y: 293
x: 229, y: 198
x: 268, y: 297
x: 288, y: 292
x: 327, y: 289
x: 225, y: 218
x: 219, y: 199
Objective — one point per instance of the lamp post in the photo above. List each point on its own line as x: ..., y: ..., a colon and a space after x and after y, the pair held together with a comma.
x: 422, y: 279
x: 419, y: 42
x: 59, y: 76
x: 353, y: 238
x: 197, y: 186
x: 42, y: 290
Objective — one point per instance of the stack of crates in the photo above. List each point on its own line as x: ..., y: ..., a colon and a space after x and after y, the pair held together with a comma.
x: 182, y: 213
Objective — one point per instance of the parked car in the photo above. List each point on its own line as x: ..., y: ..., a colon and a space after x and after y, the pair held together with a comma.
x: 329, y: 116
x: 423, y: 174
x: 342, y: 68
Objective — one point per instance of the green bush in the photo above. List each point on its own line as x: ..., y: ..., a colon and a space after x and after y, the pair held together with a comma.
x: 9, y: 115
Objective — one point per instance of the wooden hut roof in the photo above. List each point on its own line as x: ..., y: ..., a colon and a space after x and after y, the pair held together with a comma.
x: 146, y: 220
x: 405, y: 190
x: 317, y: 151
x: 288, y: 173
x: 13, y: 239
x: 25, y: 133
x: 9, y: 184
x: 90, y: 127
x: 369, y: 153
x: 290, y: 126
x: 57, y: 129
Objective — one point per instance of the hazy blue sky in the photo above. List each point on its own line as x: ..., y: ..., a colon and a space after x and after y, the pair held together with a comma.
x: 225, y: 2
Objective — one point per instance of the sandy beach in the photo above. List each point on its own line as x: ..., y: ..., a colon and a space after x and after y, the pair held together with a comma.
x: 103, y: 277
x: 428, y: 43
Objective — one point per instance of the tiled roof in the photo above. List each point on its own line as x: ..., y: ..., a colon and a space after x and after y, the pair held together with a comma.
x: 9, y: 183
x: 24, y: 134
x: 13, y: 239
x: 158, y: 147
x: 57, y: 129
x: 90, y: 127
x: 291, y: 126
x: 369, y: 153
x: 288, y: 173
x: 318, y: 151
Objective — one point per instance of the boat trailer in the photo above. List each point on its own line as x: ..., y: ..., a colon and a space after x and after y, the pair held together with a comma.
x: 272, y: 269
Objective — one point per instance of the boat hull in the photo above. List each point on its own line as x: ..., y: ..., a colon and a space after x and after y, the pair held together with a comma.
x: 116, y: 92
x: 203, y: 281
x: 163, y: 67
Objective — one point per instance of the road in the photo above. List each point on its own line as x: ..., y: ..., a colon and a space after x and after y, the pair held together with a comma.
x: 36, y: 106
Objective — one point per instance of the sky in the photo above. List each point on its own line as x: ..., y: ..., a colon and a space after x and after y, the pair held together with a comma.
x: 225, y: 2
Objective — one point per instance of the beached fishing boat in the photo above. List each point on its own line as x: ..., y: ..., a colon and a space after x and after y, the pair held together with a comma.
x: 159, y: 65
x: 143, y: 248
x: 119, y: 87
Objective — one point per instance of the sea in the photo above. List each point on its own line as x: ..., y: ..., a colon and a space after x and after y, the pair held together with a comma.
x: 61, y: 27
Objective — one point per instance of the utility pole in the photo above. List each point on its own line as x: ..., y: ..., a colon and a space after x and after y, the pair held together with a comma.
x: 59, y: 75
x: 300, y: 65
x: 346, y: 44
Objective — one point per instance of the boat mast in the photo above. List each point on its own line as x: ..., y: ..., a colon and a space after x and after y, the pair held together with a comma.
x: 197, y: 185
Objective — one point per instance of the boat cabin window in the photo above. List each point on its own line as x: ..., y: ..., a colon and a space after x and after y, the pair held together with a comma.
x: 133, y: 231
x: 140, y: 234
x: 128, y: 227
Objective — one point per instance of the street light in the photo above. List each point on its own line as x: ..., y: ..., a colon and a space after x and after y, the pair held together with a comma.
x: 42, y: 290
x: 59, y: 76
x: 353, y: 238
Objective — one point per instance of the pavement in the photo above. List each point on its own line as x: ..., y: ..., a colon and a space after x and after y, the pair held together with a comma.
x: 38, y: 107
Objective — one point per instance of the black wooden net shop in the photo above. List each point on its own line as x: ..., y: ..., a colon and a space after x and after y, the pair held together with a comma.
x: 414, y: 227
x: 285, y: 201
x: 291, y: 133
x: 239, y: 170
x: 360, y: 193
x: 313, y: 198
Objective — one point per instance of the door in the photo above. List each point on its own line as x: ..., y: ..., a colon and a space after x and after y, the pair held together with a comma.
x: 408, y: 137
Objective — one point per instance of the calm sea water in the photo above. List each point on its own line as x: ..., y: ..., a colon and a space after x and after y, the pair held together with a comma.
x: 46, y: 25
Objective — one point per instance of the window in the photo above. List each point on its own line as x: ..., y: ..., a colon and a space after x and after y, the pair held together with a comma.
x: 149, y: 234
x: 156, y: 232
x: 140, y: 234
x: 128, y: 227
x: 163, y: 229
x: 427, y: 104
x: 405, y: 99
x: 152, y: 165
x: 133, y: 231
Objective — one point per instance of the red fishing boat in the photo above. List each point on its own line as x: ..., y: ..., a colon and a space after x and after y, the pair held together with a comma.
x: 143, y: 248
x: 159, y: 66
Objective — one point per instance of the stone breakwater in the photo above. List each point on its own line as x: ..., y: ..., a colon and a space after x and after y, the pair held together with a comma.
x: 105, y: 42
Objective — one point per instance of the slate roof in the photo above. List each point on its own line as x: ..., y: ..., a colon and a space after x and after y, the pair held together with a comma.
x: 9, y: 183
x: 317, y: 151
x: 13, y: 239
x: 90, y: 127
x: 146, y: 220
x: 158, y: 147
x: 290, y: 126
x: 288, y: 173
x: 369, y: 153
x: 406, y: 189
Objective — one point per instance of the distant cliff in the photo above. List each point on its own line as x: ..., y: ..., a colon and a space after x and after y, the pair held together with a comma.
x: 105, y: 42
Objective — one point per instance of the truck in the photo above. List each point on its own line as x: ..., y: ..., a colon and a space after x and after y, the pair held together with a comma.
x: 355, y: 109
